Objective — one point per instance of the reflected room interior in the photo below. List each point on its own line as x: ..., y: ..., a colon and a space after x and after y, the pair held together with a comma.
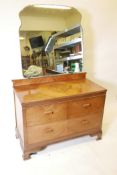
x: 50, y: 40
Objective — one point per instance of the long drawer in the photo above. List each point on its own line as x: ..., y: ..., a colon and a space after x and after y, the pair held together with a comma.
x: 60, y: 129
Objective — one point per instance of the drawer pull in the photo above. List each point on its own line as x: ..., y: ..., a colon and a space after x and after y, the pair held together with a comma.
x: 85, y: 122
x: 49, y: 112
x: 49, y: 130
x: 86, y: 105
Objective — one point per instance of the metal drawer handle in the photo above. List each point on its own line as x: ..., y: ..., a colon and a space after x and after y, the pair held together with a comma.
x: 86, y: 105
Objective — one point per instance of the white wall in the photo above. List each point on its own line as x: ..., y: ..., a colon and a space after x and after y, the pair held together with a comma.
x: 100, y: 41
x: 100, y: 46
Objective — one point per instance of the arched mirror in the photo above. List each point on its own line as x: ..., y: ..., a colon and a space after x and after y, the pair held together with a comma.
x: 50, y: 40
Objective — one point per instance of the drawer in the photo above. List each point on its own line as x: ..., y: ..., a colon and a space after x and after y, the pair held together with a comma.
x: 38, y: 115
x: 84, y: 123
x: 86, y: 106
x: 46, y: 132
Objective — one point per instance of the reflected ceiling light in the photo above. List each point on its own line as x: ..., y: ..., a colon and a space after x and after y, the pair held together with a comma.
x: 53, y: 6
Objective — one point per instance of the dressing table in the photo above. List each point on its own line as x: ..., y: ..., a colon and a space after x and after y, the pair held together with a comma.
x: 56, y: 108
x: 59, y: 105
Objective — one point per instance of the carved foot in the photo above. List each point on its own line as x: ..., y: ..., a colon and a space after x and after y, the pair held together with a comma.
x: 41, y: 148
x: 99, y: 136
x: 26, y: 156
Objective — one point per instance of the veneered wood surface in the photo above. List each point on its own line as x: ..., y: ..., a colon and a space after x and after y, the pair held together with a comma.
x: 52, y: 111
x: 86, y: 106
x: 43, y: 114
x: 49, y: 79
x: 38, y: 93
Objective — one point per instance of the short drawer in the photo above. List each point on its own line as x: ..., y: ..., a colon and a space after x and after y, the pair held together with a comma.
x: 46, y: 132
x: 86, y: 106
x: 38, y: 115
x: 84, y: 123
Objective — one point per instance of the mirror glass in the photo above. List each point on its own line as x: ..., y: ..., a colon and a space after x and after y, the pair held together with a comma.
x: 50, y: 40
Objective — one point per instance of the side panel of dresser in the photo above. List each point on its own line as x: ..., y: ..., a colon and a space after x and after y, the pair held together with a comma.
x: 21, y: 130
x: 19, y: 120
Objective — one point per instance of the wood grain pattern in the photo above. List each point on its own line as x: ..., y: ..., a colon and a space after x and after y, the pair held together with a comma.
x: 38, y: 93
x: 46, y: 114
x: 86, y: 106
x: 52, y: 109
x: 84, y: 123
x: 46, y: 132
x: 49, y: 79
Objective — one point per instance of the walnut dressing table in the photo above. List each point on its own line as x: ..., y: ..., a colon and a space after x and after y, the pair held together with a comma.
x: 56, y: 108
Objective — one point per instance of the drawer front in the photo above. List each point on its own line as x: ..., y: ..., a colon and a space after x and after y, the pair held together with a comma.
x: 38, y: 115
x: 46, y: 132
x: 84, y: 124
x: 86, y: 106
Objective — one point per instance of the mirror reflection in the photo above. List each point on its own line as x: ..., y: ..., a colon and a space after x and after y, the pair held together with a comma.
x: 50, y: 40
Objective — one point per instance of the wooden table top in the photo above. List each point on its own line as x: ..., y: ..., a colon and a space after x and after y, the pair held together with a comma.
x: 48, y: 91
